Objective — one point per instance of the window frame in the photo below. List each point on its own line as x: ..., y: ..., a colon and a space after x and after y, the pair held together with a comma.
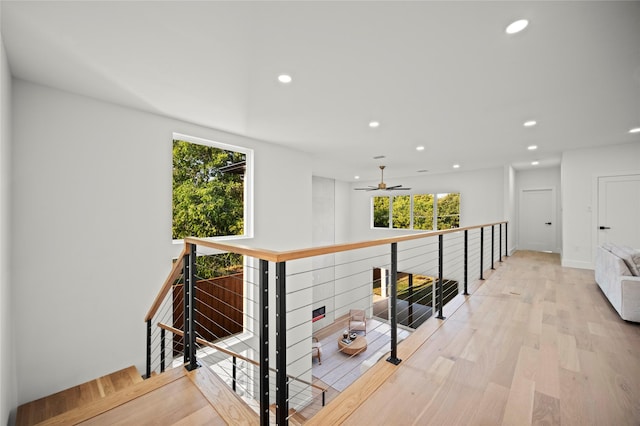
x: 248, y: 189
x: 434, y: 220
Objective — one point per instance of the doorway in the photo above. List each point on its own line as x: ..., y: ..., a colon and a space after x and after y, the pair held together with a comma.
x: 619, y: 210
x: 537, y: 220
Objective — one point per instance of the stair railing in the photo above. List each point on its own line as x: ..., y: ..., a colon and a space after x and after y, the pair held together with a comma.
x: 447, y: 256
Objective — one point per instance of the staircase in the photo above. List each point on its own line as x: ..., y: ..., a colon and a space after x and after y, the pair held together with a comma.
x: 123, y: 397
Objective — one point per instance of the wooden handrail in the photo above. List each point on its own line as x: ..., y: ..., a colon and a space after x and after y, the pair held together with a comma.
x: 168, y: 283
x: 231, y: 353
x: 283, y: 256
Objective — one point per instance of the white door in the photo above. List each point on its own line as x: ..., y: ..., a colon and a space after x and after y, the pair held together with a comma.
x: 537, y: 227
x: 619, y: 210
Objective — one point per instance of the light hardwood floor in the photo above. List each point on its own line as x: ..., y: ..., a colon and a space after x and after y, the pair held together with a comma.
x: 535, y: 343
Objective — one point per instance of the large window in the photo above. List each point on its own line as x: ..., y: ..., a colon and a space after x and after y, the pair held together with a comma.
x: 209, y: 188
x: 421, y: 211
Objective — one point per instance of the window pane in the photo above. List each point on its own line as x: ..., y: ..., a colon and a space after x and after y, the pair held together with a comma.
x: 402, y: 212
x: 423, y: 212
x: 208, y: 191
x: 380, y: 212
x: 449, y: 210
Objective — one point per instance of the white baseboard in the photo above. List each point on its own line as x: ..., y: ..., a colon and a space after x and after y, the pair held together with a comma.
x: 580, y: 264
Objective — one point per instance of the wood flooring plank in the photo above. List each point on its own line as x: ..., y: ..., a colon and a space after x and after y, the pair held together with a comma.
x: 568, y: 352
x: 546, y: 410
x: 575, y: 408
x: 547, y: 380
x: 490, y: 410
x: 226, y: 402
x: 520, y: 402
x: 205, y: 416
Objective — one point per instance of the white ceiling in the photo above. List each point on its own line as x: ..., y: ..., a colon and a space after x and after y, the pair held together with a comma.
x: 439, y: 74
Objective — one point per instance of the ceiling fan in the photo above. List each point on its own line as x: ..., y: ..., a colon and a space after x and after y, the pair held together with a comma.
x: 382, y: 186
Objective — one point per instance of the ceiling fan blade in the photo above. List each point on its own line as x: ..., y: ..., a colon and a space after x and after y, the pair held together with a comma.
x: 382, y: 186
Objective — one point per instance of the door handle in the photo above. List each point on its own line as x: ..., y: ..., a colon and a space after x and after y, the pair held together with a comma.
x: 605, y: 227
x: 547, y: 223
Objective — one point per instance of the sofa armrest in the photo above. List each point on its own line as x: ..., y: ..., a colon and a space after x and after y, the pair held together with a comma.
x: 630, y: 288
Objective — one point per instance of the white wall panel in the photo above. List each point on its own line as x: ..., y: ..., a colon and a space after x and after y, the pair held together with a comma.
x: 92, y: 228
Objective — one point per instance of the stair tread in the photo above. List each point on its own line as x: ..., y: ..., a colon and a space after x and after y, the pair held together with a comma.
x: 68, y: 399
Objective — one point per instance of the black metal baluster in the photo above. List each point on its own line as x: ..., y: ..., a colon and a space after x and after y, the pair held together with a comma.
x: 466, y: 261
x: 282, y: 405
x: 481, y: 252
x: 190, y: 335
x: 500, y: 244
x: 440, y: 284
x: 263, y: 300
x: 394, y: 305
x: 492, y: 245
x: 148, y: 372
x: 163, y: 356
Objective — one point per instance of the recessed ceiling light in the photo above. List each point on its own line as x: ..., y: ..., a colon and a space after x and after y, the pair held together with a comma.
x: 517, y: 26
x: 285, y: 78
x: 420, y: 148
x: 456, y: 166
x: 635, y: 130
x: 532, y: 147
x: 530, y: 123
x: 356, y: 177
x: 374, y: 124
x: 535, y: 163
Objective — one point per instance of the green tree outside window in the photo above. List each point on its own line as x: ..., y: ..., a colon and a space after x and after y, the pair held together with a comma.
x: 449, y: 210
x: 402, y: 212
x: 380, y: 212
x: 423, y: 212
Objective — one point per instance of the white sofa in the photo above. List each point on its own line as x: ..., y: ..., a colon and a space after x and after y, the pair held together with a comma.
x: 618, y: 275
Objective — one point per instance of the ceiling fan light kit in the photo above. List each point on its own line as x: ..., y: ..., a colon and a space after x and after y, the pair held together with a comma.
x: 383, y: 186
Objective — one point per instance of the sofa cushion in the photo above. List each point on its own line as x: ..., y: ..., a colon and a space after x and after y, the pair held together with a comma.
x: 630, y: 256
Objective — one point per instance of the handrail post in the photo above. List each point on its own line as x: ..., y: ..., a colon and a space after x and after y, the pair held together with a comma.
x: 190, y: 301
x: 263, y: 300
x: 466, y: 261
x: 506, y: 239
x: 500, y: 243
x: 163, y: 356
x: 393, y: 359
x: 481, y: 251
x: 492, y: 245
x: 185, y: 306
x: 282, y: 408
x: 234, y: 374
x: 148, y: 372
x: 410, y: 301
x: 439, y: 284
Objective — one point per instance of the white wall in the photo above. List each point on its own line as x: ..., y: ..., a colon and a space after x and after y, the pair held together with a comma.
x: 92, y: 229
x: 8, y: 399
x: 330, y: 226
x: 579, y: 170
x: 324, y: 229
x: 510, y: 206
x: 543, y: 178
